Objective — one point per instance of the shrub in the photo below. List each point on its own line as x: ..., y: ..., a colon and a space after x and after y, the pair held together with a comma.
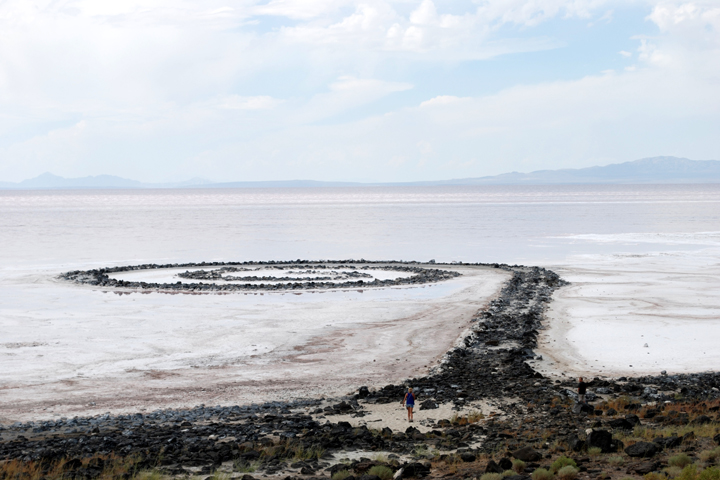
x: 710, y: 456
x: 617, y: 461
x: 711, y: 473
x: 568, y: 472
x: 475, y: 416
x: 594, y: 451
x: 562, y: 462
x: 507, y: 473
x: 680, y: 460
x: 688, y: 473
x: 491, y: 476
x: 341, y: 475
x: 655, y: 476
x: 518, y: 466
x: 673, y: 472
x: 381, y: 471
x: 542, y: 474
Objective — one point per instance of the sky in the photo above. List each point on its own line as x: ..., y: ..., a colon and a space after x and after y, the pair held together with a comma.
x: 341, y: 90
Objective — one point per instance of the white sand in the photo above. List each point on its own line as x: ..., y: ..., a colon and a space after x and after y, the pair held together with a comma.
x: 71, y: 350
x: 617, y: 304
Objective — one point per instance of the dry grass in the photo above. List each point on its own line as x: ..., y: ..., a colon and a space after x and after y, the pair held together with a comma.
x: 594, y: 451
x: 112, y: 467
x: 542, y: 474
x: 341, y: 475
x: 561, y: 462
x: 518, y: 466
x: 680, y: 460
x: 568, y: 472
x: 710, y: 456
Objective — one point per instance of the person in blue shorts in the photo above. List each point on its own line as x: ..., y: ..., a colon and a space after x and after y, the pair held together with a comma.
x: 409, y: 402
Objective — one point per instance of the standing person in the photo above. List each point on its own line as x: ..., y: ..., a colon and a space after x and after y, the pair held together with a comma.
x: 409, y: 402
x: 582, y: 390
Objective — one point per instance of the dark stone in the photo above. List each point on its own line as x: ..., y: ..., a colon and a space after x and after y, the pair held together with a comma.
x: 644, y: 467
x: 717, y: 438
x: 527, y: 454
x: 642, y: 449
x: 411, y: 431
x: 601, y: 439
x: 632, y: 419
x: 574, y: 443
x: 467, y: 457
x: 610, y: 412
x: 505, y: 463
x: 493, y: 467
x: 342, y: 407
x: 428, y: 404
x: 668, y: 442
x: 415, y: 470
x: 363, y: 392
x: 620, y: 423
x: 338, y: 467
x: 702, y: 420
x: 583, y: 408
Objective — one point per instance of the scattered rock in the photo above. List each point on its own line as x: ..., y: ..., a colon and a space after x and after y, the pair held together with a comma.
x: 642, y: 449
x: 643, y: 468
x: 601, y: 439
x: 527, y: 454
x: 467, y: 457
x: 493, y: 467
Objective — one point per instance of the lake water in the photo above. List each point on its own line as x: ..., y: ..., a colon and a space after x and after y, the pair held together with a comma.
x: 63, y: 345
x: 512, y: 224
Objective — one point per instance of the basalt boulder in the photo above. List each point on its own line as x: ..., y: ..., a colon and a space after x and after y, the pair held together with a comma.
x: 527, y: 454
x: 642, y: 449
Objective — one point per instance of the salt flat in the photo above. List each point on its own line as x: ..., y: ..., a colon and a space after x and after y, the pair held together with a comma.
x: 635, y: 314
x: 69, y: 349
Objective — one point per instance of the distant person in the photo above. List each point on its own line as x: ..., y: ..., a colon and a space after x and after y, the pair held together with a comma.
x: 582, y: 390
x: 409, y: 402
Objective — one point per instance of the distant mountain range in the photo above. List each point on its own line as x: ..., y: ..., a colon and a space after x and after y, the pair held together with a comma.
x: 52, y: 182
x: 656, y: 170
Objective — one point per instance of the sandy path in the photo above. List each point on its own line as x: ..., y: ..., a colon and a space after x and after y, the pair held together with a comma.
x: 394, y: 416
x: 84, y: 352
x: 635, y: 315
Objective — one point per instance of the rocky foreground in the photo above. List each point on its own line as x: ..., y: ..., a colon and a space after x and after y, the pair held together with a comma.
x: 660, y: 427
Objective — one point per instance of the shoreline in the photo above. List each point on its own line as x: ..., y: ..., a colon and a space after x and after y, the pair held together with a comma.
x: 634, y: 315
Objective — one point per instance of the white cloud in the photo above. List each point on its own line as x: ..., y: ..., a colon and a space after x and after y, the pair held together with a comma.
x: 440, y: 100
x: 308, y: 88
x: 259, y: 102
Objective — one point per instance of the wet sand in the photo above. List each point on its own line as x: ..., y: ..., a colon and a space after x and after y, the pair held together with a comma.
x: 634, y: 314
